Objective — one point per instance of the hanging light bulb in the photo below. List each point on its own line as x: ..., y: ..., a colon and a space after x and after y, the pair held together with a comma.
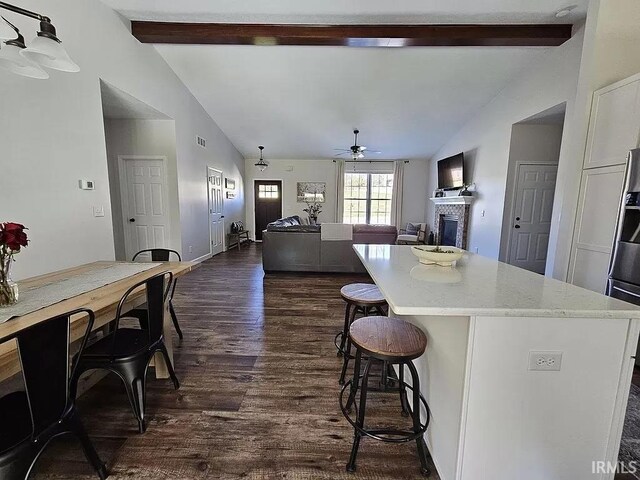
x: 47, y: 50
x: 261, y: 164
x: 10, y: 58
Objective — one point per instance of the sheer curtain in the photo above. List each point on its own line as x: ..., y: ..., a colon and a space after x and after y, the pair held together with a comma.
x: 396, y: 198
x: 340, y: 191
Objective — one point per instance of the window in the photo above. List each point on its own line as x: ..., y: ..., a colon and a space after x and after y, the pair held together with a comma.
x: 268, y: 191
x: 367, y: 198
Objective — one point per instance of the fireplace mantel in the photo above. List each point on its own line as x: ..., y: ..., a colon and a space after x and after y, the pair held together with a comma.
x: 457, y: 200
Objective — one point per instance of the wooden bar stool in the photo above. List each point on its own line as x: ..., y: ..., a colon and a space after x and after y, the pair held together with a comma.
x: 398, y: 343
x: 360, y: 298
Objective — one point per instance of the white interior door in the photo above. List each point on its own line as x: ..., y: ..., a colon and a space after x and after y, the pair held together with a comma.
x: 144, y: 204
x: 531, y: 222
x: 216, y: 218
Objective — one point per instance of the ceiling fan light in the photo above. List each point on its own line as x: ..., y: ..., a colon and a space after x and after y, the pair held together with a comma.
x: 6, y: 31
x: 49, y: 52
x: 10, y: 59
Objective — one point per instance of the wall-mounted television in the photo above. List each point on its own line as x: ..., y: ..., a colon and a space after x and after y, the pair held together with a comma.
x: 451, y: 172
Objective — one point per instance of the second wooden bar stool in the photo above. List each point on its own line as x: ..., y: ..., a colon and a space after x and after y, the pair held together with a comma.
x: 360, y: 298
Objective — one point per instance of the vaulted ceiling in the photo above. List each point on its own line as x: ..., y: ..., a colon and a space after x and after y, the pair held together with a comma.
x: 302, y: 102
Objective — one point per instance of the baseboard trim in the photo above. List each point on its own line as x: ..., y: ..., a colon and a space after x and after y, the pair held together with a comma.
x: 202, y: 258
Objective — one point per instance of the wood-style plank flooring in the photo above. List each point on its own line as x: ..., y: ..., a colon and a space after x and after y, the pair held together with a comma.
x: 258, y: 396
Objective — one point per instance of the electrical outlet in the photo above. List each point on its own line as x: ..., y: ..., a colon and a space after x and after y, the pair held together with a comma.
x: 190, y: 248
x: 98, y: 211
x: 477, y: 250
x: 545, y: 361
x: 482, y: 213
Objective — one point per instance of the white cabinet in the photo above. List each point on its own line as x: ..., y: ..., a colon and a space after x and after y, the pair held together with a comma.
x: 598, y: 207
x: 614, y: 126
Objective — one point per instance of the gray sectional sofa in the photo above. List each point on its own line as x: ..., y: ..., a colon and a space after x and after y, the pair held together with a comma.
x: 289, y: 246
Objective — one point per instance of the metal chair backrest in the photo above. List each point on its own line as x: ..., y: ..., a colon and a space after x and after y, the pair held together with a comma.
x: 157, y: 295
x: 158, y: 254
x: 44, y: 357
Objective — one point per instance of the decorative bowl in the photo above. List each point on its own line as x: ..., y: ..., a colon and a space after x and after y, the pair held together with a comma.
x: 438, y: 255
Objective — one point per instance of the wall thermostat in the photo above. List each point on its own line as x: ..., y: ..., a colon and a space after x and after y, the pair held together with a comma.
x: 87, y: 185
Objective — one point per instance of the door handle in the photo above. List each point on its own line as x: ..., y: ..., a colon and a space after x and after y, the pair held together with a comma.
x: 517, y: 219
x: 626, y: 292
x: 132, y: 220
x: 516, y: 226
x: 221, y: 216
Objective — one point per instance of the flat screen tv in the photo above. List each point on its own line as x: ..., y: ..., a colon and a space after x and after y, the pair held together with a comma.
x: 451, y: 172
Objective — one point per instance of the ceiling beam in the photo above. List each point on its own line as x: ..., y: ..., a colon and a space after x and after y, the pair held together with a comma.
x: 352, y: 35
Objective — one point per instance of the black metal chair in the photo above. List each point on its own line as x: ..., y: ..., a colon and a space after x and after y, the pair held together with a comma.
x: 31, y: 419
x: 127, y: 352
x: 158, y: 255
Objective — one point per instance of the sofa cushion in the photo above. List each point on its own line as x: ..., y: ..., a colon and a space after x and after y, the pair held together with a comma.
x: 294, y: 228
x: 381, y: 229
x: 412, y: 228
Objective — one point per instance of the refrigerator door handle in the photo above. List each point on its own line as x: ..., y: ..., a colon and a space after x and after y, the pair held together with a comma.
x: 626, y: 291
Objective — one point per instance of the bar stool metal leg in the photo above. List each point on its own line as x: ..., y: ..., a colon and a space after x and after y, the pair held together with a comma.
x: 345, y: 330
x: 415, y: 414
x: 351, y: 466
x: 347, y: 351
x: 403, y: 392
x: 356, y: 379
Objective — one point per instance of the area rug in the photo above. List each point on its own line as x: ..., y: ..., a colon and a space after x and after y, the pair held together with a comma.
x: 630, y: 445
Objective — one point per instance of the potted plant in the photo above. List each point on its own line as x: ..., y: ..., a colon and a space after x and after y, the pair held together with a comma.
x: 313, y: 210
x: 12, y: 239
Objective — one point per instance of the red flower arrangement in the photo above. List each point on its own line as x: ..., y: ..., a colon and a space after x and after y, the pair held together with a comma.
x: 12, y: 239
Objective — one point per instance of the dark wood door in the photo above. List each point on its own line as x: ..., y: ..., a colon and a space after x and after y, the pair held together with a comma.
x: 268, y: 195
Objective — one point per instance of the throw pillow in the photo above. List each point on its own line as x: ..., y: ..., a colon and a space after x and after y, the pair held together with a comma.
x: 412, y: 228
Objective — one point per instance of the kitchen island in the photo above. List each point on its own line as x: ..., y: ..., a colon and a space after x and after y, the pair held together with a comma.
x: 526, y: 377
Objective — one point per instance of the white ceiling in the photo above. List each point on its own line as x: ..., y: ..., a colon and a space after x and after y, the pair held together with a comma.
x: 302, y: 102
x: 352, y: 11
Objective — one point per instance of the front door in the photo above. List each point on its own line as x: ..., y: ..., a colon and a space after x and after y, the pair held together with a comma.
x: 268, y: 197
x: 531, y: 220
x: 144, y: 204
x: 216, y: 218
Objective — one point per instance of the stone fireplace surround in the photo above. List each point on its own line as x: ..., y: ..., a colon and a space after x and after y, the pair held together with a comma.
x: 453, y: 208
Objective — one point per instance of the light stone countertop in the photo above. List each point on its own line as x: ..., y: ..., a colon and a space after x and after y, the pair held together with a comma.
x: 479, y: 286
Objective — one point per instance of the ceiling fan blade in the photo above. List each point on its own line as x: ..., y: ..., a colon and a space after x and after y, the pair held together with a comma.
x: 340, y: 154
x: 374, y: 151
x: 362, y: 148
x: 341, y: 150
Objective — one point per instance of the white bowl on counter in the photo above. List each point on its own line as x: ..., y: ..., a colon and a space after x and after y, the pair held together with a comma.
x: 445, y: 258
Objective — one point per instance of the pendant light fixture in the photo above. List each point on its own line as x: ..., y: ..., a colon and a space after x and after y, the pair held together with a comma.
x: 45, y: 50
x: 10, y: 58
x: 261, y: 164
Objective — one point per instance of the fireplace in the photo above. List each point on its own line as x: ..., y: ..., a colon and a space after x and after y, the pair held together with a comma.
x: 451, y: 222
x: 449, y: 230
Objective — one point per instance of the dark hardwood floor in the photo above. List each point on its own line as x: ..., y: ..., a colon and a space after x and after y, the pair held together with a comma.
x: 259, y: 389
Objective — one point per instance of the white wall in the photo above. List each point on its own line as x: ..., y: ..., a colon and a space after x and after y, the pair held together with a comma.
x: 293, y: 171
x: 486, y: 138
x: 611, y: 52
x: 530, y: 143
x: 52, y: 135
x: 138, y: 138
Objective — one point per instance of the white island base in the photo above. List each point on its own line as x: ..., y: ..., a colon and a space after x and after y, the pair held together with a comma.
x: 493, y: 417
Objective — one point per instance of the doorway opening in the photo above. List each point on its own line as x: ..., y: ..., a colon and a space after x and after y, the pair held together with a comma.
x: 268, y: 204
x: 531, y: 183
x: 216, y: 216
x: 141, y: 162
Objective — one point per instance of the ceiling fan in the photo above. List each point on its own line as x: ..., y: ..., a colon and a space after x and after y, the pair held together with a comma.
x: 356, y: 151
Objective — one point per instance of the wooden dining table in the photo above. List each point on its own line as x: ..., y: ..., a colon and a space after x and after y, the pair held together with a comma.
x: 103, y: 301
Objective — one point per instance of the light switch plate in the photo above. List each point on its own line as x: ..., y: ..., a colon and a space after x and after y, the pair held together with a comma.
x: 98, y: 211
x: 545, y: 361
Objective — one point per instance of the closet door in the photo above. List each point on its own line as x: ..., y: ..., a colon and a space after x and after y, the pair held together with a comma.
x: 598, y: 208
x: 614, y: 126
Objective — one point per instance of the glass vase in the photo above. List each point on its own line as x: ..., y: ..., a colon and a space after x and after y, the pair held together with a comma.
x: 8, y: 288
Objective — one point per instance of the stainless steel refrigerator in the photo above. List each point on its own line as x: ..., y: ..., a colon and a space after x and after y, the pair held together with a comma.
x: 624, y: 269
